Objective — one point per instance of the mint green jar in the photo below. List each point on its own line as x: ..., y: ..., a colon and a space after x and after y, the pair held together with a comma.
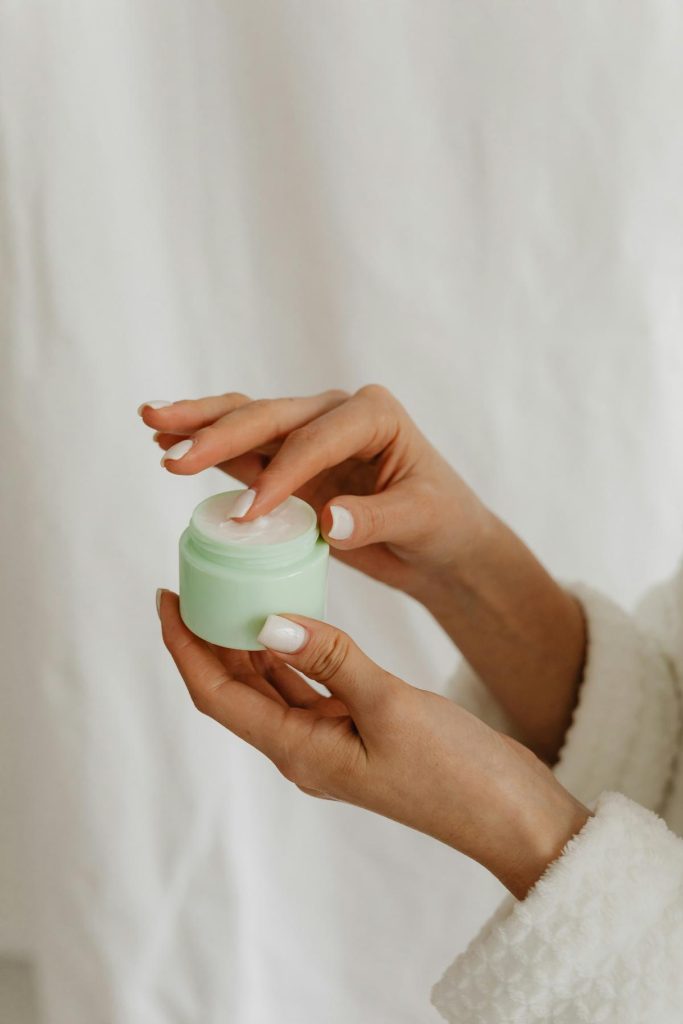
x: 233, y: 575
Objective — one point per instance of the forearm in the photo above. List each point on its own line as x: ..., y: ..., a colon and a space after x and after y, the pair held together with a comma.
x: 522, y: 633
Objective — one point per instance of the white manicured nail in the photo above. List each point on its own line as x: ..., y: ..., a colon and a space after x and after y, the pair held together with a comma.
x: 177, y: 451
x: 242, y: 504
x: 160, y: 591
x: 282, y: 635
x: 342, y: 523
x: 160, y: 403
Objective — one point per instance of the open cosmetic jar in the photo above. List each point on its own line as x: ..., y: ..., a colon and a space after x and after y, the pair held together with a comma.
x: 233, y: 574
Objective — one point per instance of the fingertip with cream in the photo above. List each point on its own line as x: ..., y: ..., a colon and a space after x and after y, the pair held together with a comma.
x: 282, y: 635
x: 242, y: 504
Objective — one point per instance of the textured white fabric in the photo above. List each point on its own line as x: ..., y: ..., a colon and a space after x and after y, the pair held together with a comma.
x: 476, y: 204
x: 600, y: 937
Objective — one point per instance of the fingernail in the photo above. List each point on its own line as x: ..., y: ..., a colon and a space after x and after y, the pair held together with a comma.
x: 282, y: 635
x: 242, y: 504
x: 342, y: 523
x: 156, y: 435
x: 177, y: 451
x: 159, y: 403
x: 160, y: 591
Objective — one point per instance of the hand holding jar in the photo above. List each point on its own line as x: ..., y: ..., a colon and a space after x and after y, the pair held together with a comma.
x: 379, y: 743
x: 392, y: 507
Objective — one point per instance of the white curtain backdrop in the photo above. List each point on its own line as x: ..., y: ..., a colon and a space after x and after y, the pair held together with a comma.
x: 477, y: 204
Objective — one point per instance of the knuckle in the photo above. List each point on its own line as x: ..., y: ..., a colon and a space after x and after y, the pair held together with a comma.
x: 204, y: 693
x: 374, y: 517
x: 336, y: 395
x: 329, y: 656
x: 376, y: 393
x: 383, y: 408
x: 235, y: 396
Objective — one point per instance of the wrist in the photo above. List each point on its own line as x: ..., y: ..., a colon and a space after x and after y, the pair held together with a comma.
x: 536, y: 819
x: 521, y: 632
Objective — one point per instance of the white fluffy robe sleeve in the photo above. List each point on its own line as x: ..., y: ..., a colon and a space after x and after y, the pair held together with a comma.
x: 600, y: 936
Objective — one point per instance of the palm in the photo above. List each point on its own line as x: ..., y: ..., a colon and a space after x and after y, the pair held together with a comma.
x: 316, y: 726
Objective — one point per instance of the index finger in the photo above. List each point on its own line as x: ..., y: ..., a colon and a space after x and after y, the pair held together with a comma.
x: 246, y: 712
x: 357, y: 429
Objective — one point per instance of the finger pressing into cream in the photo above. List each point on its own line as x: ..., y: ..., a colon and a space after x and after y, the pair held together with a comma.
x: 242, y: 504
x: 347, y: 430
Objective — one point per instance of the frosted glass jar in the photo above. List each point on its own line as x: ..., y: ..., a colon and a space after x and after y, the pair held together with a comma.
x: 233, y: 575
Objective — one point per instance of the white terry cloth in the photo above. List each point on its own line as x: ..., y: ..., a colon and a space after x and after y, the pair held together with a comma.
x: 600, y: 935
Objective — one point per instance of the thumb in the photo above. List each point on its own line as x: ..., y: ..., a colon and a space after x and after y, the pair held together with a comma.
x: 329, y: 656
x: 397, y: 515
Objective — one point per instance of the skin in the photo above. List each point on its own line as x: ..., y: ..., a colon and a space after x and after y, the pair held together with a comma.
x: 377, y: 741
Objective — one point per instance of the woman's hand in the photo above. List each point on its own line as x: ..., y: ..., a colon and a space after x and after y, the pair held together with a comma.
x: 391, y: 506
x: 380, y: 743
x: 388, y: 503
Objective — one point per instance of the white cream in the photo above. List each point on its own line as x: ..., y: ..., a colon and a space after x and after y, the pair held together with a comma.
x: 286, y: 522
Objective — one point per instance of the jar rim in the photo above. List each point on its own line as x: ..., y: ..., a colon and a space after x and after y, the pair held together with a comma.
x: 275, y: 553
